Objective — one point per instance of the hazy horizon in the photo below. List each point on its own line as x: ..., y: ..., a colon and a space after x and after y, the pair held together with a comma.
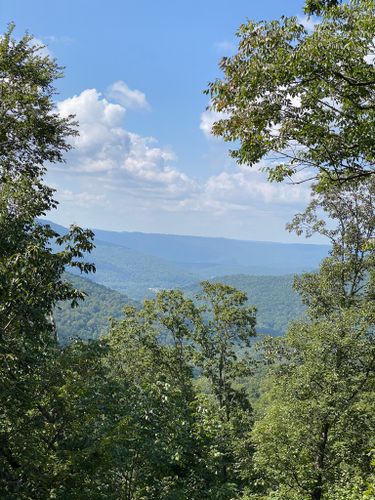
x: 301, y: 240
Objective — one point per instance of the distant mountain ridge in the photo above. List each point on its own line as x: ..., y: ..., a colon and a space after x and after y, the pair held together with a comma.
x: 201, y: 250
x: 138, y: 264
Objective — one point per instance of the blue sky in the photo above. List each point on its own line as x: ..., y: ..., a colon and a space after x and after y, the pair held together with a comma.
x: 145, y: 160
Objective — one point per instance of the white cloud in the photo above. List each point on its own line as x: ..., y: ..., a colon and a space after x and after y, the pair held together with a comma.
x: 245, y: 190
x: 128, y: 98
x: 249, y: 185
x: 128, y: 176
x: 124, y: 159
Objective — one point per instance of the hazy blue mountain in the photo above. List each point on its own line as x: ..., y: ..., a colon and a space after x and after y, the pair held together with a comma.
x: 200, y: 254
x: 134, y: 273
x: 139, y: 263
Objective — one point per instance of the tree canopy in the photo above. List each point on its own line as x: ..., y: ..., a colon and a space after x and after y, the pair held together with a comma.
x: 31, y: 273
x: 302, y: 100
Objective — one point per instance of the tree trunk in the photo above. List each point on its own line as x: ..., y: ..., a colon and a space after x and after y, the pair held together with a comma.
x: 319, y: 463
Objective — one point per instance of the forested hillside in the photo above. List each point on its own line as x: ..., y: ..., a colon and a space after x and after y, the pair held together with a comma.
x: 276, y: 302
x: 90, y: 319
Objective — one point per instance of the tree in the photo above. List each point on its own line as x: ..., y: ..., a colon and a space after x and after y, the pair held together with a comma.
x: 161, y: 458
x: 346, y: 216
x: 31, y: 274
x: 318, y: 6
x: 315, y: 435
x: 32, y: 132
x: 221, y: 337
x: 230, y: 327
x: 191, y: 416
x: 119, y: 417
x: 304, y: 101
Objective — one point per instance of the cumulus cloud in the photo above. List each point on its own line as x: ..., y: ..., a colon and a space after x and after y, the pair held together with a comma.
x: 247, y: 185
x: 242, y: 190
x: 106, y: 149
x: 128, y: 98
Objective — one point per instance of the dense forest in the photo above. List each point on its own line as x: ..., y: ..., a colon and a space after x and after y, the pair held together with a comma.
x: 176, y: 400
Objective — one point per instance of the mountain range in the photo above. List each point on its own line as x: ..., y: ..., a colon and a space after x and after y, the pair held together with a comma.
x: 139, y: 264
x: 131, y: 266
